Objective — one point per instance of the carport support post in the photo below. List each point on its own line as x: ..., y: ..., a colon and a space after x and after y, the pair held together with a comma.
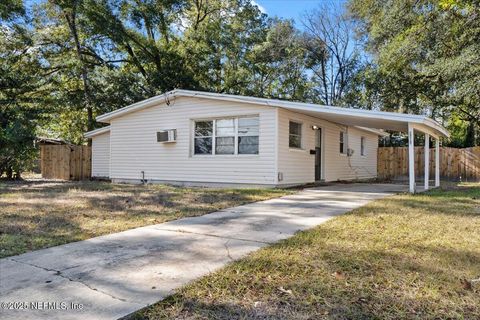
x: 411, y: 158
x: 427, y: 160
x: 437, y: 162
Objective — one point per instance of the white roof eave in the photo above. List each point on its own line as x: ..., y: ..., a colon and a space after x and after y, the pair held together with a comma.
x: 436, y: 126
x: 96, y: 132
x: 317, y: 110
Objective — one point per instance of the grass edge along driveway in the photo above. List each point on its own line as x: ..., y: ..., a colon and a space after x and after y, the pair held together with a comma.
x: 40, y: 214
x: 403, y: 257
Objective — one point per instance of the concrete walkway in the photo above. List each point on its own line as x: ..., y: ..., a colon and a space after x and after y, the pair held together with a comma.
x: 111, y: 276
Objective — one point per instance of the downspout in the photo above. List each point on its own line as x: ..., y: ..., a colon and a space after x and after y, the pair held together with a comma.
x: 276, y: 150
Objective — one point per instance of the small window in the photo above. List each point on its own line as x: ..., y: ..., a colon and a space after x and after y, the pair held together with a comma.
x: 203, y: 137
x: 343, y: 142
x: 248, y: 131
x: 362, y: 146
x: 295, y: 135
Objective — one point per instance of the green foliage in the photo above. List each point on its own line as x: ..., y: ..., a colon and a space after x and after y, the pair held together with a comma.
x: 11, y: 9
x: 17, y: 151
x: 217, y: 40
x: 65, y: 62
x: 104, y: 54
x: 427, y: 58
x: 95, y: 56
x: 20, y: 84
x: 87, y: 76
x: 278, y: 64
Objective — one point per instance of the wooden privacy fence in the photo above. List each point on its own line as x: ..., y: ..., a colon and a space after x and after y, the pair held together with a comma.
x: 66, y: 162
x: 455, y: 164
x: 69, y: 162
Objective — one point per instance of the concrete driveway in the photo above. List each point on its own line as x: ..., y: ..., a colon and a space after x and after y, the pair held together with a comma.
x: 111, y: 276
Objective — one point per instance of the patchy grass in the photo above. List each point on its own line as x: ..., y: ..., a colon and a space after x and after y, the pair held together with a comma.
x: 39, y: 214
x: 405, y: 257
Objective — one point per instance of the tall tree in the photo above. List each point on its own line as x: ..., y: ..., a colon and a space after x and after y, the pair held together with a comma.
x: 69, y: 11
x: 333, y: 55
x: 278, y: 64
x: 144, y: 33
x: 218, y: 36
x: 87, y: 77
x: 11, y: 9
x: 427, y: 57
x: 20, y: 84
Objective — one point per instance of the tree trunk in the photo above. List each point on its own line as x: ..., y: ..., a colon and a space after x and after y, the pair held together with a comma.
x: 70, y: 17
x: 470, y: 136
x: 9, y: 173
x: 324, y: 82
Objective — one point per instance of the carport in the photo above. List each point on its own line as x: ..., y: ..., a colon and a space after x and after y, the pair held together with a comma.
x: 408, y: 123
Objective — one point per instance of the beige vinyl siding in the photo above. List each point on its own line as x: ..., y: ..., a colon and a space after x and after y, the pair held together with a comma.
x: 101, y: 155
x: 134, y: 147
x: 356, y: 166
x: 297, y: 165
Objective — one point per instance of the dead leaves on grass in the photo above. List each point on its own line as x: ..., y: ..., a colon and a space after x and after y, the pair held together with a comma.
x: 339, y: 275
x: 470, y: 284
x: 257, y: 304
x: 38, y: 215
x: 285, y: 291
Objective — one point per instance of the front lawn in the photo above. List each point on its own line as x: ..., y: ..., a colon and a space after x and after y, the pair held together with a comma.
x: 38, y: 214
x: 405, y: 257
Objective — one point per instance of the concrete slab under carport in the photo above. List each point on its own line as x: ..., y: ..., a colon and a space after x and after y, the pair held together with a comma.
x: 114, y: 275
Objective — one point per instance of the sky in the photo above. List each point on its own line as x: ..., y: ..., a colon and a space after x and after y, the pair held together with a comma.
x: 289, y: 9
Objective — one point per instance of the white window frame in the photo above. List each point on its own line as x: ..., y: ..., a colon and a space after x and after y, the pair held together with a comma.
x: 363, y: 149
x: 345, y: 142
x: 301, y: 135
x: 235, y: 136
x: 214, y: 137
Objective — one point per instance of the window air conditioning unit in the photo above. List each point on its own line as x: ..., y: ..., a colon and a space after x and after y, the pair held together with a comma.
x: 167, y: 136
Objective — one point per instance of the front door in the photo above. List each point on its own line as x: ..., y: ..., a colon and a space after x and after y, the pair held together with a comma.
x: 318, y: 154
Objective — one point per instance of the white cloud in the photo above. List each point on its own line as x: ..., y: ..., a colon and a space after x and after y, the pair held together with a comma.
x: 260, y: 7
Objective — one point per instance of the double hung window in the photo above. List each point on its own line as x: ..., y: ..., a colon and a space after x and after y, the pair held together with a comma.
x: 295, y: 135
x: 227, y: 136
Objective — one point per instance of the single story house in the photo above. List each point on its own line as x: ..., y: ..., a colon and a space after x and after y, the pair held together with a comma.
x: 201, y: 138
